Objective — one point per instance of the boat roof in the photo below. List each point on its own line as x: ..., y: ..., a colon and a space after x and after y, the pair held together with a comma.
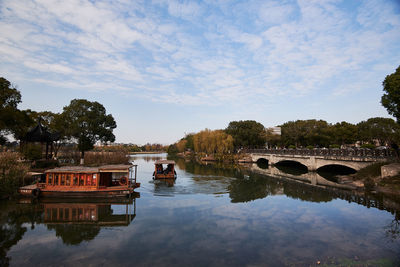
x: 84, y: 169
x: 164, y: 161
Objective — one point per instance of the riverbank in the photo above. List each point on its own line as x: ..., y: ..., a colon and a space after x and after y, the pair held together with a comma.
x: 368, y: 179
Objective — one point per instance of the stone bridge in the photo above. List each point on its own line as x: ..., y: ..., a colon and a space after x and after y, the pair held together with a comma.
x: 314, y: 159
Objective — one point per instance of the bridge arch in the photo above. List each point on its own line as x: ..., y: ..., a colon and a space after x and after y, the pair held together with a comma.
x: 262, y: 163
x: 291, y: 163
x: 355, y: 166
x: 337, y: 169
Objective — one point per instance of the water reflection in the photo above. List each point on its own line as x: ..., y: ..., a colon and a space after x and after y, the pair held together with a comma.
x: 213, y: 215
x: 250, y: 182
x: 72, y: 221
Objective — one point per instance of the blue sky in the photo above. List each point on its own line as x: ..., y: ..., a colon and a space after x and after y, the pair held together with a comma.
x: 164, y: 68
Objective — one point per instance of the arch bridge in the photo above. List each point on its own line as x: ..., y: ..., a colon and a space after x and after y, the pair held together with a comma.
x: 314, y: 159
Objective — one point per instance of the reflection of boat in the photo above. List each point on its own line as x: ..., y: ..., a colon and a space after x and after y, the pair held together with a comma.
x: 101, y: 214
x: 167, y: 173
x: 79, y: 181
x: 163, y: 182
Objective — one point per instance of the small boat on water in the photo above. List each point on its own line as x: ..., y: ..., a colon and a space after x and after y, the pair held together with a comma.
x: 79, y: 181
x: 167, y: 172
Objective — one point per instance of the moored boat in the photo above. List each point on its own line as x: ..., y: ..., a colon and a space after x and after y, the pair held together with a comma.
x: 79, y: 181
x: 164, y: 173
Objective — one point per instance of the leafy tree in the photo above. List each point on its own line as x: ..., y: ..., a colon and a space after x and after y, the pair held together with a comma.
x: 10, y: 97
x: 172, y: 149
x: 181, y: 145
x: 306, y: 133
x: 189, y: 143
x: 247, y: 133
x: 343, y: 133
x: 88, y: 123
x: 391, y: 98
x: 384, y: 130
x: 213, y: 142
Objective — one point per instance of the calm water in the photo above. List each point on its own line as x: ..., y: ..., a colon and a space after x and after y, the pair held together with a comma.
x: 212, y: 216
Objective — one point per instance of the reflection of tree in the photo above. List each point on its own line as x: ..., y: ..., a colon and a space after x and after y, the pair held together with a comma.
x: 74, y: 234
x: 12, y: 216
x: 10, y: 234
x: 210, y: 169
x: 306, y: 192
x: 255, y: 187
x: 393, y: 229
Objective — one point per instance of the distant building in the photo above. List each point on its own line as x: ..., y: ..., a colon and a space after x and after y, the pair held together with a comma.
x: 275, y: 130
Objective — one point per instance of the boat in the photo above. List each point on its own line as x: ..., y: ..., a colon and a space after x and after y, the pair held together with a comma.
x: 164, y: 173
x: 79, y: 181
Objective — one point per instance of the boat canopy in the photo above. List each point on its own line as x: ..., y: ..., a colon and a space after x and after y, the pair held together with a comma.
x: 83, y: 169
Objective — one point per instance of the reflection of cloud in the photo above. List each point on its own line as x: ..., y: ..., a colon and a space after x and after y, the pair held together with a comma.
x: 202, y: 230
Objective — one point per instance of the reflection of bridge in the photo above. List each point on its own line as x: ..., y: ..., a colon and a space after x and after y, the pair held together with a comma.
x: 314, y: 159
x: 312, y: 178
x: 311, y: 185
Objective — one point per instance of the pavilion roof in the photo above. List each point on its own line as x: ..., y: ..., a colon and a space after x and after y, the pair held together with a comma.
x: 40, y: 134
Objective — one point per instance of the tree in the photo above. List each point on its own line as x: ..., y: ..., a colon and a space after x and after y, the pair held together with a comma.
x: 383, y: 130
x: 88, y: 123
x: 272, y: 138
x: 10, y: 97
x: 305, y: 133
x: 247, y: 133
x: 391, y: 99
x: 213, y: 142
x: 343, y: 133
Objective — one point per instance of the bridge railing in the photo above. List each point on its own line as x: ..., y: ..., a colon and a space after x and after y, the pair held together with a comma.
x: 367, y: 153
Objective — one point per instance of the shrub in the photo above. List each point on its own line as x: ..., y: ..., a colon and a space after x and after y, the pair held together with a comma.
x: 334, y: 146
x: 369, y: 146
x: 292, y: 146
x: 12, y: 172
x: 33, y: 151
x: 310, y: 147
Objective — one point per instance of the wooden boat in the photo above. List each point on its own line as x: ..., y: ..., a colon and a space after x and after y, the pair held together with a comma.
x: 164, y: 173
x: 78, y: 181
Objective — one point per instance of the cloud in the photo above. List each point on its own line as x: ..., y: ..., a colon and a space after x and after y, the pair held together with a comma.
x: 224, y: 53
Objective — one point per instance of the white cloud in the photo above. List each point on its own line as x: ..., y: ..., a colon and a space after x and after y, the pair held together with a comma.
x: 226, y: 52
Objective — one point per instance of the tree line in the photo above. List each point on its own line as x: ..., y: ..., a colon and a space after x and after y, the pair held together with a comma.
x: 300, y: 133
x: 82, y: 122
x: 303, y: 133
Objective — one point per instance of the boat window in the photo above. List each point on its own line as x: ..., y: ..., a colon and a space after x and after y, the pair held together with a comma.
x: 94, y: 179
x: 80, y: 214
x: 56, y: 179
x: 50, y: 178
x: 88, y: 179
x: 81, y: 179
x: 68, y: 180
x: 75, y: 179
x: 62, y: 179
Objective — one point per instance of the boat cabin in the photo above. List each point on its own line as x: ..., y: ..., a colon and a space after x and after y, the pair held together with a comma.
x: 103, y: 181
x: 164, y: 169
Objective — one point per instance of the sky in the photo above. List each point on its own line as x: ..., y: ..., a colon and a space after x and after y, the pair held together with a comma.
x: 165, y: 68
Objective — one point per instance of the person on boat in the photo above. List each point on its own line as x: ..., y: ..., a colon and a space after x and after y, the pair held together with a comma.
x: 169, y: 169
x: 159, y: 169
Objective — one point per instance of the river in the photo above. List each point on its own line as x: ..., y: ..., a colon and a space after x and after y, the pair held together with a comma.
x: 213, y: 215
